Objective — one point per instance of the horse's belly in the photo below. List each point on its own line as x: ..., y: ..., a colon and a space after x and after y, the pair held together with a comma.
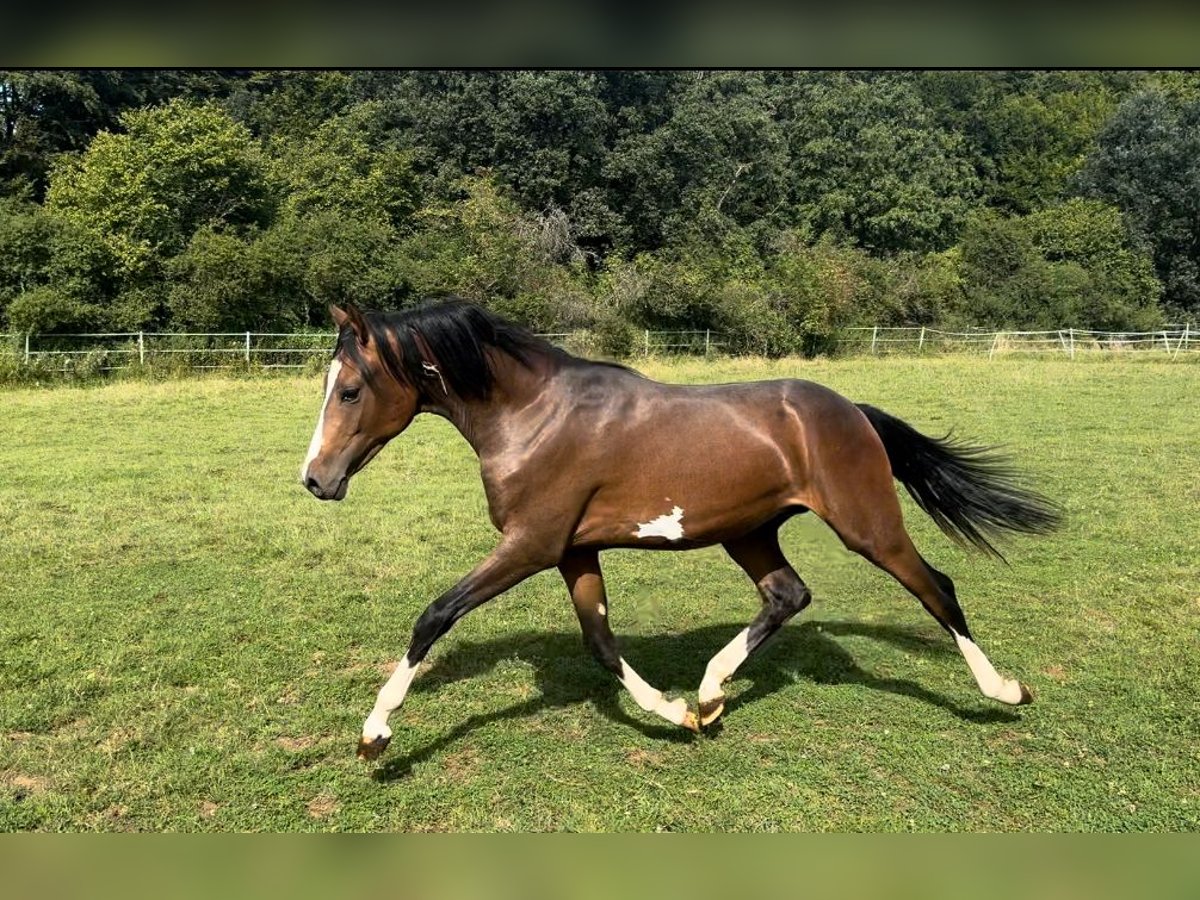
x: 697, y: 474
x: 682, y: 515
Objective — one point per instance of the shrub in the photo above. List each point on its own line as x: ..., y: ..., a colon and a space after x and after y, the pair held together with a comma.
x: 47, y: 309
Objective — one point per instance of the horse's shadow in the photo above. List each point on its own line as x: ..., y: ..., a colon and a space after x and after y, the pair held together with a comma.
x: 566, y: 674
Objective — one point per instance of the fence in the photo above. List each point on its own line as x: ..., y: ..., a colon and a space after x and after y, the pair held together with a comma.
x: 210, y: 350
x: 110, y: 351
x: 293, y: 350
x: 1171, y: 340
x: 694, y: 342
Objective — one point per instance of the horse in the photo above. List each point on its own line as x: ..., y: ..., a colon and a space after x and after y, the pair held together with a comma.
x: 580, y: 456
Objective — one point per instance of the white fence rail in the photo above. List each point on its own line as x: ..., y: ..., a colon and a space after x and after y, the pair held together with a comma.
x: 268, y: 350
x: 1171, y: 340
x: 294, y: 350
x: 200, y: 350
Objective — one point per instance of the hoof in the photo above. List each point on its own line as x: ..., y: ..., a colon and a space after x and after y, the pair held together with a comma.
x: 369, y: 750
x: 1026, y: 696
x: 690, y: 722
x: 710, y: 710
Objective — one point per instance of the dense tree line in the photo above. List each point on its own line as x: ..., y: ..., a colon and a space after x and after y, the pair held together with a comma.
x: 772, y: 206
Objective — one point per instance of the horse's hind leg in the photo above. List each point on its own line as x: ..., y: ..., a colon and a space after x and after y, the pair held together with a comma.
x: 581, y: 571
x: 783, y: 595
x: 876, y: 531
x: 936, y: 593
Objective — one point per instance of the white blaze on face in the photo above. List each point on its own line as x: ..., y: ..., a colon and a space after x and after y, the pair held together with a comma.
x: 314, y: 446
x: 1006, y: 690
x: 667, y: 526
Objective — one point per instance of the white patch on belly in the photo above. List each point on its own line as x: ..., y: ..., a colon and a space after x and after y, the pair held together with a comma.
x: 669, y: 527
x: 318, y: 438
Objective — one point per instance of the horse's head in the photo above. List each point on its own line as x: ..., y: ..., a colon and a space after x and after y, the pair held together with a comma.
x: 365, y: 407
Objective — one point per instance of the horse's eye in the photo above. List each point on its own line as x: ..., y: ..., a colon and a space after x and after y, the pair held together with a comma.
x: 349, y: 395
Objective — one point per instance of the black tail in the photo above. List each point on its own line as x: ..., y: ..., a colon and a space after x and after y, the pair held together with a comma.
x: 969, y: 491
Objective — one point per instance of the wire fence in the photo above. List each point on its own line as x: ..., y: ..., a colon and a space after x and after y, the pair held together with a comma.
x: 1171, y: 340
x: 195, y: 350
x: 108, y: 351
x: 697, y: 342
x: 117, y: 350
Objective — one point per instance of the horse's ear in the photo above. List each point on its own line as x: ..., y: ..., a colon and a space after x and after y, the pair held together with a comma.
x: 350, y: 315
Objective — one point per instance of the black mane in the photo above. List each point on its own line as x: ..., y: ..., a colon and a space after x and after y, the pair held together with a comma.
x: 454, y: 335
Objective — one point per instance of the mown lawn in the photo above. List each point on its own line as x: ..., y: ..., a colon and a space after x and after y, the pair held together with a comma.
x: 189, y: 641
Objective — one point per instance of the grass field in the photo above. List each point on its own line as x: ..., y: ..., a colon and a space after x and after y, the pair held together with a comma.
x: 189, y: 641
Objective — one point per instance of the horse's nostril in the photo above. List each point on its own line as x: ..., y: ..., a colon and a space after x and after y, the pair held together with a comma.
x: 311, y: 484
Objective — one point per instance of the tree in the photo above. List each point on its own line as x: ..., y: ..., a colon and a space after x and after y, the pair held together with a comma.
x: 1147, y: 164
x: 43, y: 113
x: 331, y: 258
x: 482, y: 246
x: 718, y: 162
x: 1122, y: 291
x: 870, y: 164
x: 1009, y: 284
x: 51, y: 112
x: 25, y: 238
x: 1067, y: 266
x: 1040, y: 142
x: 176, y: 168
x: 289, y: 104
x: 348, y: 166
x: 1025, y: 133
x: 54, y: 275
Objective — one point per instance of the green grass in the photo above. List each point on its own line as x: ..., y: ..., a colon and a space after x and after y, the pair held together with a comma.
x: 189, y: 641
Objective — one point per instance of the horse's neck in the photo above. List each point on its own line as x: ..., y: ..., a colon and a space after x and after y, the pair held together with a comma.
x: 491, y: 425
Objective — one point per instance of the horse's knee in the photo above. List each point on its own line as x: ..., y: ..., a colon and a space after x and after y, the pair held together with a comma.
x: 799, y: 597
x: 786, y: 595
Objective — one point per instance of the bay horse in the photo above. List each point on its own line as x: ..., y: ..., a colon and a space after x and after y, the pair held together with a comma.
x: 580, y: 456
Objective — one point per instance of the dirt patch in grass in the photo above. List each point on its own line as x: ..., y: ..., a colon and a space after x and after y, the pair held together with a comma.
x: 296, y: 744
x: 643, y: 758
x: 322, y: 806
x: 22, y: 785
x: 461, y: 764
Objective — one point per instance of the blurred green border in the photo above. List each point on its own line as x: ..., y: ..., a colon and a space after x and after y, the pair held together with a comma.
x: 563, y: 867
x: 590, y: 35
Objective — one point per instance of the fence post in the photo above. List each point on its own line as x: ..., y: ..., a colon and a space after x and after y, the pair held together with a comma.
x: 921, y: 343
x: 1183, y: 339
x: 1166, y: 345
x: 707, y: 340
x: 1071, y: 332
x: 995, y: 341
x: 142, y: 347
x: 647, y: 351
x: 247, y: 346
x: 874, y: 335
x: 27, y: 347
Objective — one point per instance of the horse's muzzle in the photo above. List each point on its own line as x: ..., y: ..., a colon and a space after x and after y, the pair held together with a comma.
x: 326, y: 492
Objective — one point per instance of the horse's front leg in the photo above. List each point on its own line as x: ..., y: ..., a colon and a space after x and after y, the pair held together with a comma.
x: 510, y: 563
